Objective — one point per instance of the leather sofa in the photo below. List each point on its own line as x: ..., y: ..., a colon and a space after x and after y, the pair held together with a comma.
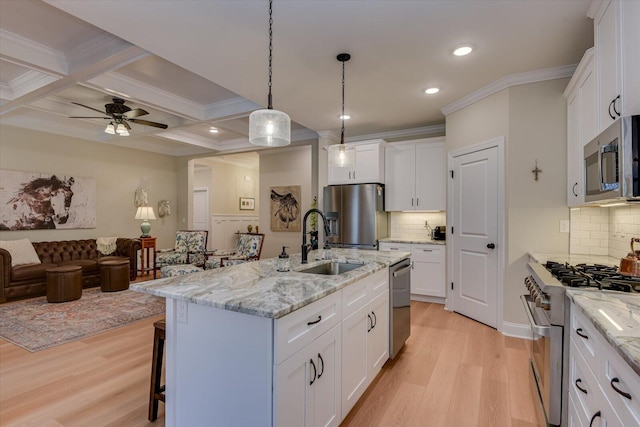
x: 27, y: 281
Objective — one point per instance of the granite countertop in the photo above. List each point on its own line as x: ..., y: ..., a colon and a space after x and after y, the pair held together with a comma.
x: 621, y: 308
x: 413, y: 240
x: 575, y: 259
x: 257, y: 288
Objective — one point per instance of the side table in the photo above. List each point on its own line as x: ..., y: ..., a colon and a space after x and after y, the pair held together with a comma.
x: 147, y: 243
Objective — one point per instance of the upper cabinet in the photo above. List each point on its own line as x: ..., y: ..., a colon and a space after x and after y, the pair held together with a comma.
x: 361, y: 163
x: 617, y: 43
x: 582, y: 124
x: 416, y: 175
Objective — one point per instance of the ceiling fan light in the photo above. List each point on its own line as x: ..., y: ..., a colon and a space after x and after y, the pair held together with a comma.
x: 110, y: 129
x: 269, y: 128
x: 122, y: 130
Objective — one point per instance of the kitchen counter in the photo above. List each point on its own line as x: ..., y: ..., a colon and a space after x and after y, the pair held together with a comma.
x: 575, y: 259
x: 624, y: 310
x: 413, y: 240
x: 257, y: 288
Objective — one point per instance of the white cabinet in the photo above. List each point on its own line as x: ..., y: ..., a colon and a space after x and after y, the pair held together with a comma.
x: 428, y: 269
x: 582, y: 124
x: 617, y: 42
x: 603, y: 389
x: 360, y: 163
x: 416, y: 175
x: 365, y: 337
x: 307, y: 385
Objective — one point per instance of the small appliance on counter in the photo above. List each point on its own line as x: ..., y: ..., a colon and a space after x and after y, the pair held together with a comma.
x: 439, y: 232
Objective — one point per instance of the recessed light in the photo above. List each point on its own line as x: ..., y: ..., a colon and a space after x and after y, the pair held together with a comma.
x: 345, y: 117
x: 462, y: 51
x: 432, y: 90
x: 213, y: 130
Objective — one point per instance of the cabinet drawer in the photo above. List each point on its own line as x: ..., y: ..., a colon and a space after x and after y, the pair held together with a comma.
x: 617, y: 373
x: 361, y: 292
x: 396, y: 247
x: 425, y: 252
x: 583, y: 384
x: 297, y: 329
x: 586, y: 337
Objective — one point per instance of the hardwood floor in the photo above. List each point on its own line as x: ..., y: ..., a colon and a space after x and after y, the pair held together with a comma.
x: 453, y: 371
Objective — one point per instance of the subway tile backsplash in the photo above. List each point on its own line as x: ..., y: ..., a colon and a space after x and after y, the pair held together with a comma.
x: 604, y: 231
x: 411, y: 225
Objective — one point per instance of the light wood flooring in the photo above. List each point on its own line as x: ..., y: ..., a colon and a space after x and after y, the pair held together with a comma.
x: 453, y: 371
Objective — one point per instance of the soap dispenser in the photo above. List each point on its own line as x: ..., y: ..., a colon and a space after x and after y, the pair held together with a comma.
x: 284, y: 264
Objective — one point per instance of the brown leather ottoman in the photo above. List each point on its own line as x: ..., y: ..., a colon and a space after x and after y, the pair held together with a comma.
x: 114, y: 275
x: 64, y: 283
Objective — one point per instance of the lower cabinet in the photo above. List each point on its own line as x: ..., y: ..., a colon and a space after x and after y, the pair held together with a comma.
x: 307, y: 386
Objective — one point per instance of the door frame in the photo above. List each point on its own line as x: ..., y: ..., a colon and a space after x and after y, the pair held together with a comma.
x: 501, y: 239
x: 204, y: 190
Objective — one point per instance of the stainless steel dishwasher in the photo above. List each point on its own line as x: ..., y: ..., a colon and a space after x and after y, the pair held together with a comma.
x: 399, y: 302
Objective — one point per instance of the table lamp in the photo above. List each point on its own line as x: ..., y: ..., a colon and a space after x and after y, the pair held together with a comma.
x: 145, y: 213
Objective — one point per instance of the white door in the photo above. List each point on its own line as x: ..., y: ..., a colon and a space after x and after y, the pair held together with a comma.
x: 475, y: 235
x: 201, y: 209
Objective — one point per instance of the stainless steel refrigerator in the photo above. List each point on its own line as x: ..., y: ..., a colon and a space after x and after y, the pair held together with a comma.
x: 356, y: 215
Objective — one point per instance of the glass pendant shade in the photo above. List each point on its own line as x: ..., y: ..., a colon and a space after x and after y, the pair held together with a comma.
x: 122, y: 130
x: 269, y: 128
x: 110, y: 129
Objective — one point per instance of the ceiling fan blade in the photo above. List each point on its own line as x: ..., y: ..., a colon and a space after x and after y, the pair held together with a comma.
x: 148, y: 123
x: 90, y: 108
x: 86, y: 117
x: 136, y: 112
x: 126, y: 125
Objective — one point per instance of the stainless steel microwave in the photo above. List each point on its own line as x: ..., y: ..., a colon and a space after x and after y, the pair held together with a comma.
x: 611, y: 162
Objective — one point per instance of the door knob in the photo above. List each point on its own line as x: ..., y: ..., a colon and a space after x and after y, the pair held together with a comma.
x: 491, y: 246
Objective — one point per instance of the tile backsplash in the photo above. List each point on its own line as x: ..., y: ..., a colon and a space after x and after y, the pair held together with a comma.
x: 604, y: 231
x: 407, y: 225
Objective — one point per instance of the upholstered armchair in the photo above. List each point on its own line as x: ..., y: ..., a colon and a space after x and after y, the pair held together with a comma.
x: 248, y: 248
x: 189, y: 248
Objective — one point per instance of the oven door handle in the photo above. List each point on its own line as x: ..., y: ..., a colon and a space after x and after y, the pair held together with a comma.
x: 540, y: 330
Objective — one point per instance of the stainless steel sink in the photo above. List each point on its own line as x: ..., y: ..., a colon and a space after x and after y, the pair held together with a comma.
x: 331, y: 268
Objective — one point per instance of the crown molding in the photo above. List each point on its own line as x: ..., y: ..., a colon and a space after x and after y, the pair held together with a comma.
x: 28, y: 82
x: 329, y: 135
x: 229, y: 108
x: 587, y: 58
x: 402, y: 134
x: 28, y: 53
x: 508, y: 81
x: 189, y: 138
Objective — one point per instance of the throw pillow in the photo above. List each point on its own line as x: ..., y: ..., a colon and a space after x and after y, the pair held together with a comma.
x: 106, y: 245
x: 22, y: 251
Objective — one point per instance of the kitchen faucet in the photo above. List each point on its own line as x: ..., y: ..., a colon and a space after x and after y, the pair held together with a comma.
x: 306, y: 248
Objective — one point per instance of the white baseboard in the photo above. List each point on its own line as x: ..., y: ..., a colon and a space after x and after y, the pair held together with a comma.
x: 424, y: 298
x: 516, y: 330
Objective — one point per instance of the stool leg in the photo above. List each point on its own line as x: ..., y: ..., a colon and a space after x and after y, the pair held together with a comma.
x: 156, y: 373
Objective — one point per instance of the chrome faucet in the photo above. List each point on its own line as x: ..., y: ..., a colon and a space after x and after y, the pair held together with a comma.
x: 305, y: 247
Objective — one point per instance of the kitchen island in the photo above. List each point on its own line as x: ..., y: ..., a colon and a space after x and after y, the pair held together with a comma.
x: 248, y: 345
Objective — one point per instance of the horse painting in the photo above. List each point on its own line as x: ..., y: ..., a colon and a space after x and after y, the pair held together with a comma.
x: 41, y: 203
x: 285, y: 209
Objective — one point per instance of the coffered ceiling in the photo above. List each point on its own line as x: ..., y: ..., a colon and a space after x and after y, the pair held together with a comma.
x: 194, y: 65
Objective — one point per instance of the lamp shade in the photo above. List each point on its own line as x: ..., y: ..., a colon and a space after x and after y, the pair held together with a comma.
x: 269, y: 128
x: 145, y: 212
x: 110, y: 129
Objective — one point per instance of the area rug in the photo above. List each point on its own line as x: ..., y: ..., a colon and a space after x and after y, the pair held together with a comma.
x: 36, y: 324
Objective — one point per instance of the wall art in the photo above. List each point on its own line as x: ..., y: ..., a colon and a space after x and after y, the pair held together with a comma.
x: 41, y: 201
x: 247, y: 204
x: 285, y: 208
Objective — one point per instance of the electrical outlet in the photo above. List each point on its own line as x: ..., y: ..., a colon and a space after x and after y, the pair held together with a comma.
x: 181, y: 311
x: 564, y: 226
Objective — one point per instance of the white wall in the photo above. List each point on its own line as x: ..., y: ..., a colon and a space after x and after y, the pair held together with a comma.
x: 118, y: 172
x: 532, y: 118
x: 282, y: 167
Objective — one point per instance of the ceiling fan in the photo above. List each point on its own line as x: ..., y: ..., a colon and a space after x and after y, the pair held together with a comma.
x: 119, y: 114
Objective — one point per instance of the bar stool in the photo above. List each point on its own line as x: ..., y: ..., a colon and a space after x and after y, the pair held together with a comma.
x: 157, y: 391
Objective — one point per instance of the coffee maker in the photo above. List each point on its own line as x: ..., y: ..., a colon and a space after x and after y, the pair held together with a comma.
x: 439, y: 233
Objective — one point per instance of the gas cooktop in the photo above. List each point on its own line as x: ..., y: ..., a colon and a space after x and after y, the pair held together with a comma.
x: 595, y: 276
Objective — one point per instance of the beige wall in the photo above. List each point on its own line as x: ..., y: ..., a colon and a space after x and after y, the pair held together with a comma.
x: 281, y: 167
x: 118, y: 172
x: 532, y: 118
x: 227, y: 183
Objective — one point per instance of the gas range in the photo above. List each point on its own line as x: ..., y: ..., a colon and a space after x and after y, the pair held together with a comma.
x: 593, y: 276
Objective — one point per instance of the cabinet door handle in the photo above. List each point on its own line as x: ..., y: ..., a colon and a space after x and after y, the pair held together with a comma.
x: 314, y: 372
x: 412, y: 201
x: 620, y: 392
x: 610, y: 114
x: 417, y: 201
x: 315, y: 321
x: 596, y: 415
x: 375, y: 320
x: 579, y: 332
x: 321, y: 365
x: 427, y: 250
x: 584, y: 390
x: 369, y: 323
x: 574, y: 189
x: 615, y: 110
x: 354, y: 174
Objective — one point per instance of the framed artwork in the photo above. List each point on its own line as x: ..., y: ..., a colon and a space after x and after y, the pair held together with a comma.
x: 42, y: 201
x: 285, y: 208
x: 247, y: 204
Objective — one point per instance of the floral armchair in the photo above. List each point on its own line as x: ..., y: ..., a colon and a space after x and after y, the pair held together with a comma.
x: 248, y: 248
x: 189, y: 248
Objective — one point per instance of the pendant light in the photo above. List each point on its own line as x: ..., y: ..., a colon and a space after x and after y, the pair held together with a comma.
x: 341, y: 159
x: 269, y: 127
